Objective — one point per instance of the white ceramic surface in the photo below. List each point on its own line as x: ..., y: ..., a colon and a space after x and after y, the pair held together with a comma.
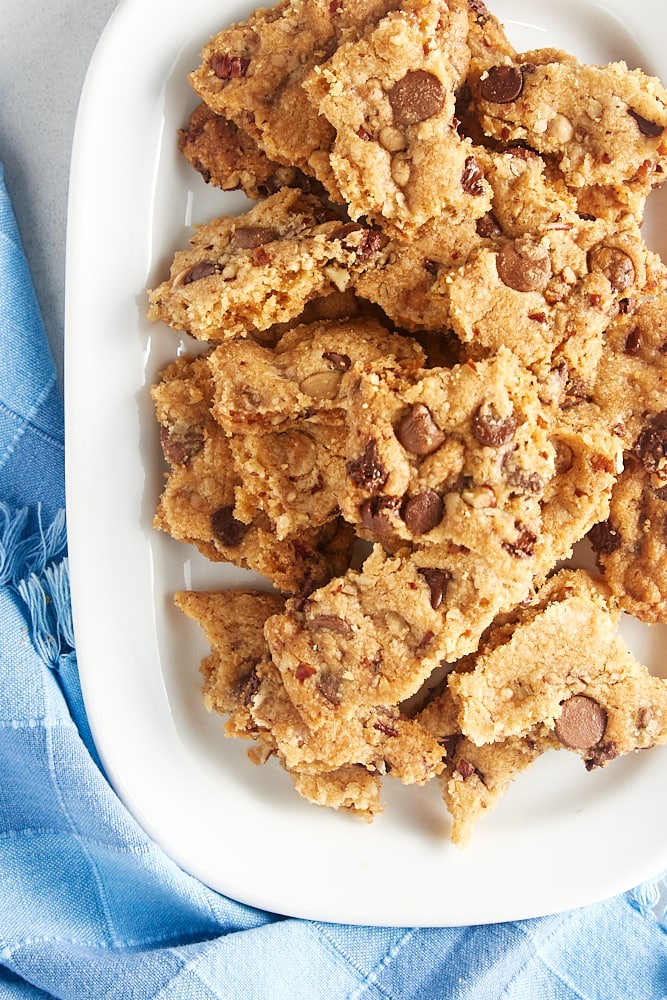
x: 561, y: 837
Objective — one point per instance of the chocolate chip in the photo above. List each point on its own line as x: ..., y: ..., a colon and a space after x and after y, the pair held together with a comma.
x: 250, y: 237
x: 616, y: 266
x: 522, y: 480
x: 581, y: 724
x: 228, y: 67
x: 204, y: 269
x: 488, y: 226
x: 328, y: 686
x: 633, y: 342
x: 602, y: 755
x: 332, y: 623
x: 472, y: 177
x: 651, y: 445
x: 479, y: 10
x: 648, y: 128
x: 249, y: 687
x: 346, y: 230
x: 180, y: 445
x: 523, y: 545
x: 377, y: 512
x: 438, y: 581
x: 605, y: 538
x: 226, y: 528
x: 367, y: 471
x: 418, y: 432
x: 502, y: 85
x: 339, y: 362
x: 645, y: 716
x: 416, y: 97
x: 576, y: 391
x: 490, y: 429
x: 370, y: 243
x: 524, y: 266
x: 423, y: 512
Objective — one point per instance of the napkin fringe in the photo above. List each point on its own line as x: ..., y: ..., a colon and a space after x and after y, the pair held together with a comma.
x: 34, y: 565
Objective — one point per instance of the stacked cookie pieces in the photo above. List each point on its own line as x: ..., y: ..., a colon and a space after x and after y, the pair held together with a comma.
x: 432, y: 363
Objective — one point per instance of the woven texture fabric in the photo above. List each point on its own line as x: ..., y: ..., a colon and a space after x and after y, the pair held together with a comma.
x: 90, y: 908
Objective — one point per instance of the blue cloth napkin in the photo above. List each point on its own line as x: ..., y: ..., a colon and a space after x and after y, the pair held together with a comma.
x: 91, y: 908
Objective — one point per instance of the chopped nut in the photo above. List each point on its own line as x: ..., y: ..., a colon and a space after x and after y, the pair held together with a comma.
x: 400, y: 170
x: 321, y: 385
x: 392, y: 139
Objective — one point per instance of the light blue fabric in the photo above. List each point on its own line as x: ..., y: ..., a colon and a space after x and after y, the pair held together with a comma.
x: 90, y: 908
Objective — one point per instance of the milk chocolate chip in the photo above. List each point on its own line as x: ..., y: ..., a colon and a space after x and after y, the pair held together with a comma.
x: 204, y: 269
x: 616, y: 266
x: 502, y: 84
x: 490, y: 428
x: 524, y: 266
x: 472, y: 177
x: 332, y: 623
x: 367, y: 471
x: 651, y: 445
x: 437, y: 580
x: 423, y: 512
x: 226, y: 528
x: 418, y: 96
x: 250, y: 237
x: 376, y: 513
x: 488, y: 226
x: 418, y: 432
x: 581, y: 723
x: 648, y: 128
x: 179, y: 445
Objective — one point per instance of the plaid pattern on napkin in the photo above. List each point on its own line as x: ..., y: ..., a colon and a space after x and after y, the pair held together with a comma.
x: 90, y: 908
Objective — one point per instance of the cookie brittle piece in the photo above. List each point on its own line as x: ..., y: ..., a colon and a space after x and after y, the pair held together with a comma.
x: 562, y: 666
x: 390, y: 95
x: 549, y: 296
x: 631, y: 545
x: 228, y: 158
x: 305, y: 375
x: 478, y: 777
x: 252, y: 73
x: 261, y: 268
x: 475, y: 778
x: 233, y: 623
x: 374, y: 635
x: 601, y: 125
x: 456, y: 456
x: 197, y: 502
x: 632, y: 374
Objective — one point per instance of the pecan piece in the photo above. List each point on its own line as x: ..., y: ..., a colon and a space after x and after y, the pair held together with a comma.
x: 228, y: 67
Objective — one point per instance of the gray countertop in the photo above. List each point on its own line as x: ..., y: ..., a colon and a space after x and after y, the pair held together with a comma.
x: 45, y: 48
